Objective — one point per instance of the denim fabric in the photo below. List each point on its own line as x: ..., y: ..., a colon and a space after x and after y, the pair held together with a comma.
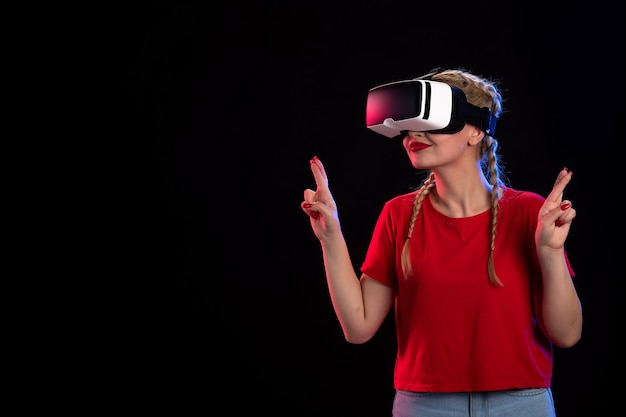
x: 534, y: 402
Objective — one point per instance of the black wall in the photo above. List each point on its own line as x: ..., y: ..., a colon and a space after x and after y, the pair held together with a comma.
x: 222, y: 108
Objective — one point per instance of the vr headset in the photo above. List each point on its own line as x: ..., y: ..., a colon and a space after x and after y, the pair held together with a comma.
x: 423, y: 106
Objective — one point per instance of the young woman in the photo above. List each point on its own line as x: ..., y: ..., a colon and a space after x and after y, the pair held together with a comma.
x: 475, y: 271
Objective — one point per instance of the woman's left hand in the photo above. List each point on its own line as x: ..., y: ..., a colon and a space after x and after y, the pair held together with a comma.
x: 556, y: 215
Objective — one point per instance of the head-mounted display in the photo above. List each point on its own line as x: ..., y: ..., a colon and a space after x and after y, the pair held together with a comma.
x: 423, y: 106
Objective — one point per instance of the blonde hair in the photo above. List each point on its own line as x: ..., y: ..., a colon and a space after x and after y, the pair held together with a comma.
x: 480, y: 92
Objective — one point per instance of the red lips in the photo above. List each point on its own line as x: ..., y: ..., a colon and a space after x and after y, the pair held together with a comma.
x: 418, y: 146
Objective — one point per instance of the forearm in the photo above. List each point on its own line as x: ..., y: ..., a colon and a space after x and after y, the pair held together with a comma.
x: 561, y: 308
x: 344, y: 288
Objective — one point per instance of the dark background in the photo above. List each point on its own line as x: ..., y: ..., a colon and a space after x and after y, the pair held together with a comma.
x: 223, y: 106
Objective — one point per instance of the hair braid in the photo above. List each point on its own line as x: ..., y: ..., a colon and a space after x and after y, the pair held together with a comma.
x: 496, y: 193
x: 421, y: 194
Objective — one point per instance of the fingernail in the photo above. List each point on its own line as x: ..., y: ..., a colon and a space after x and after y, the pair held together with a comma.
x: 558, y: 223
x: 307, y: 205
x: 565, y: 206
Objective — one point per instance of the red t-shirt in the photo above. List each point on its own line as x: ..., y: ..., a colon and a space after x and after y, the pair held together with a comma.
x: 455, y: 330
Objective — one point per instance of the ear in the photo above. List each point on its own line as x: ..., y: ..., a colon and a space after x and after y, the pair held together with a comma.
x: 475, y: 135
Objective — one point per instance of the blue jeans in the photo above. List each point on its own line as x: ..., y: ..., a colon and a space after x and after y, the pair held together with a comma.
x: 534, y: 402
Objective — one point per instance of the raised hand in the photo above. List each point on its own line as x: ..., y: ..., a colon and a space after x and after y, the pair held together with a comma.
x: 320, y: 205
x: 556, y: 215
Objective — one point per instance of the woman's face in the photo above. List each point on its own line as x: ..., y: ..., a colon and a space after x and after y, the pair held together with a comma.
x: 433, y: 150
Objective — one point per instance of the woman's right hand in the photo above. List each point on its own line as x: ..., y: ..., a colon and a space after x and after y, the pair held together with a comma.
x: 320, y: 205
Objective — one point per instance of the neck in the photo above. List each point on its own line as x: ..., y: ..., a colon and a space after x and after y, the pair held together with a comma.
x: 461, y: 195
